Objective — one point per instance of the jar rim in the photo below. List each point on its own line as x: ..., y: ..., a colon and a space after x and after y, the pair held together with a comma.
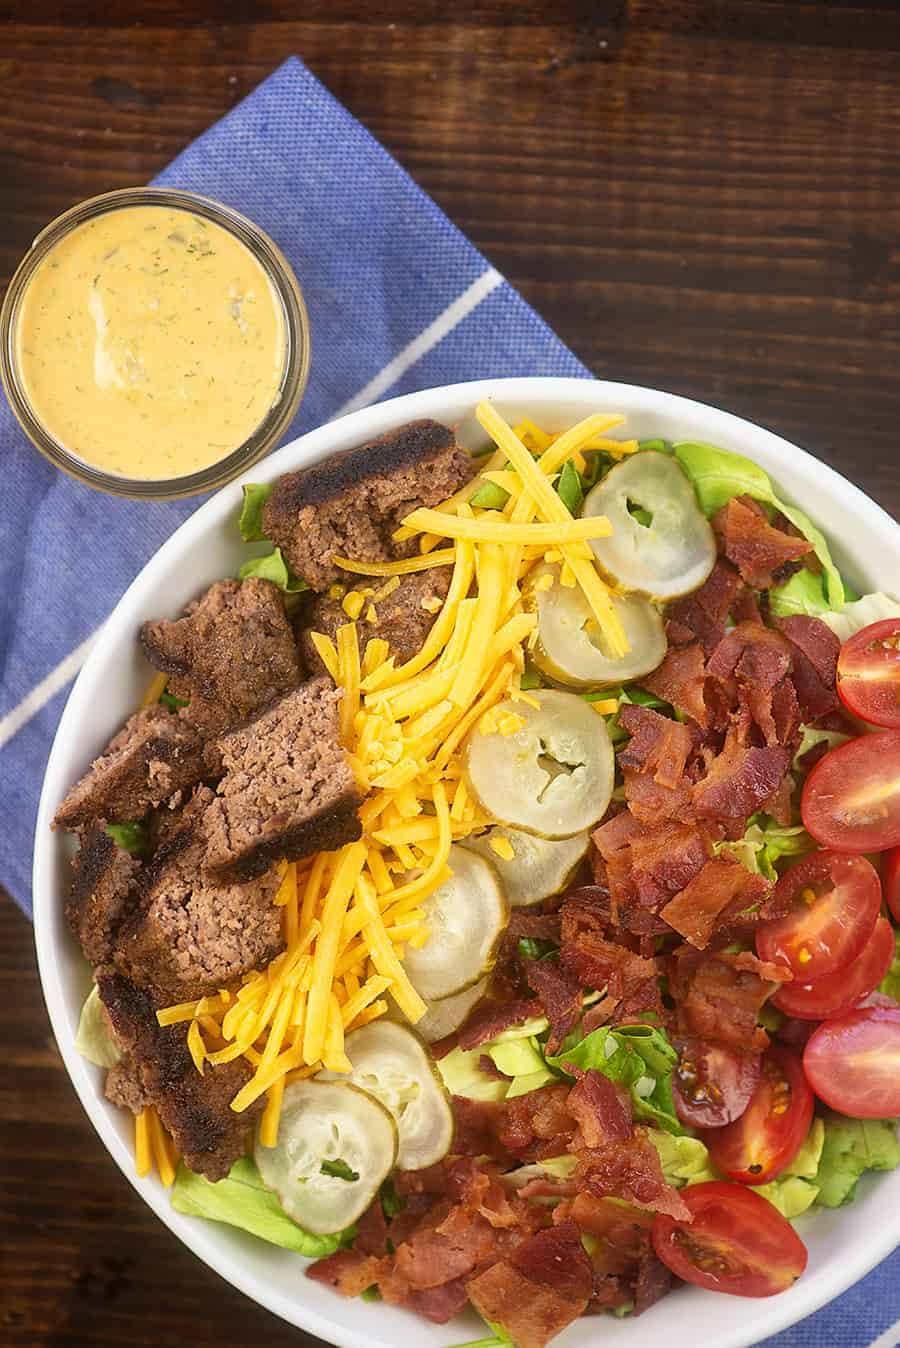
x: 297, y: 343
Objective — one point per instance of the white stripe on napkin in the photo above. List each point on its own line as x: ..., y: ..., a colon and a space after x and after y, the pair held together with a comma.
x: 889, y: 1339
x: 42, y: 692
x: 445, y: 322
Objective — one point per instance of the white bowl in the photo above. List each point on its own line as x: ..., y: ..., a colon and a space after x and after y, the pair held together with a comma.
x: 843, y: 1245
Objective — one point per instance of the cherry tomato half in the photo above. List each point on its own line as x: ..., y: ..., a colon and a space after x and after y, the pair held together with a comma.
x: 830, y: 903
x: 851, y: 799
x: 839, y: 992
x: 712, y: 1085
x: 737, y: 1242
x: 853, y: 1063
x: 890, y: 880
x: 773, y: 1127
x: 868, y: 673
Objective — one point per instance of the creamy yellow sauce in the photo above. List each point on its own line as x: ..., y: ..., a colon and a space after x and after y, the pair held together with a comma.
x: 150, y: 342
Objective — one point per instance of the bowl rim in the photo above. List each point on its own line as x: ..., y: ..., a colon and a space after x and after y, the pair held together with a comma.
x: 357, y: 428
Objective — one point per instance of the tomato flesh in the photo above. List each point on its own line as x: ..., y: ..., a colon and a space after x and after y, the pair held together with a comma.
x: 868, y: 673
x: 712, y: 1085
x: 890, y: 880
x: 736, y: 1242
x: 853, y: 1063
x: 831, y: 904
x: 851, y: 799
x: 839, y: 992
x: 772, y: 1129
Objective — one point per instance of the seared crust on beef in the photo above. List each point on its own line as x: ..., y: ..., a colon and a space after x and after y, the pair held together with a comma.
x: 190, y: 933
x: 231, y: 655
x: 125, y: 1086
x: 154, y: 755
x: 402, y: 619
x: 350, y: 505
x: 101, y: 892
x: 287, y: 791
x: 195, y: 1109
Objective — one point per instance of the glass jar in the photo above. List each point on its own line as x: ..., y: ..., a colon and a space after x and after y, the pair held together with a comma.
x: 286, y: 390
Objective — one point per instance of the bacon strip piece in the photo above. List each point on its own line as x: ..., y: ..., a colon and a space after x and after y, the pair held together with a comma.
x: 703, y: 614
x: 694, y: 911
x: 559, y: 993
x: 815, y: 650
x: 543, y: 1286
x: 754, y: 545
x: 601, y: 1108
x: 490, y: 1018
x: 680, y: 680
x: 739, y: 781
x: 719, y: 997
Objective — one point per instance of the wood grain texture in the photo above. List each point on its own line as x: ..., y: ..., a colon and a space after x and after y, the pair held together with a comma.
x: 701, y: 195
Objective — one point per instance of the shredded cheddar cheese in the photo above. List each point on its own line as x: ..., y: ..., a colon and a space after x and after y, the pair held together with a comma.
x: 348, y: 915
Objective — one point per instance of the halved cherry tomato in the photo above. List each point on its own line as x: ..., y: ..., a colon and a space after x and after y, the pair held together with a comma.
x: 830, y: 904
x: 712, y: 1085
x: 851, y: 799
x: 839, y: 992
x: 868, y: 673
x: 890, y: 880
x: 773, y: 1127
x: 736, y: 1242
x: 853, y: 1063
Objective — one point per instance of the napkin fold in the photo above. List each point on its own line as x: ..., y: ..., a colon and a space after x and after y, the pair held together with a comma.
x: 398, y: 300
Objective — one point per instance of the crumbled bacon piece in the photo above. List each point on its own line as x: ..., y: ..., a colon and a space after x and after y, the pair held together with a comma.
x: 653, y: 764
x: 538, y: 1124
x: 815, y: 650
x: 719, y: 999
x: 602, y: 964
x: 754, y: 545
x: 632, y: 1171
x: 694, y: 911
x: 543, y: 1287
x: 477, y: 1128
x: 680, y: 680
x: 703, y: 614
x: 602, y: 1110
x: 739, y: 780
x: 349, y: 1272
x: 490, y: 1018
x: 559, y: 993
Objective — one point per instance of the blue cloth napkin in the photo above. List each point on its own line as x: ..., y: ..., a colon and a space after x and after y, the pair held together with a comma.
x: 398, y: 300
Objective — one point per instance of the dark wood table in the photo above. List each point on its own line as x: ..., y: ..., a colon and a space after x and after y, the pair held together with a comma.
x: 701, y: 195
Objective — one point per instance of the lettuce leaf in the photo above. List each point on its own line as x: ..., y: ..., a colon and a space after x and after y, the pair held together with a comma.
x: 859, y: 613
x: 242, y: 1200
x: 639, y: 1057
x: 803, y: 594
x: 684, y: 1160
x: 489, y: 497
x: 273, y: 567
x: 890, y: 984
x: 718, y: 475
x: 851, y: 1147
x: 569, y: 488
x: 250, y: 519
x: 131, y: 837
x: 764, y: 843
x: 93, y: 1039
x: 812, y: 736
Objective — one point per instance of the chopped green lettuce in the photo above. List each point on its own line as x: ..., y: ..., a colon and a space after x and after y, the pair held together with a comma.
x: 93, y: 1039
x: 859, y: 613
x: 718, y: 475
x: 489, y: 497
x: 851, y: 1147
x: 171, y: 701
x: 890, y: 984
x: 273, y: 567
x: 243, y: 1200
x: 812, y: 736
x: 517, y: 1057
x: 498, y: 1338
x: 764, y: 843
x: 391, y: 1201
x: 684, y: 1160
x: 462, y: 1075
x: 802, y: 593
x: 131, y: 837
x: 569, y: 488
x: 250, y: 519
x: 639, y: 1057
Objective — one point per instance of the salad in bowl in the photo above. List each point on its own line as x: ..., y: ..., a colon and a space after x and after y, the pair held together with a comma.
x: 494, y: 899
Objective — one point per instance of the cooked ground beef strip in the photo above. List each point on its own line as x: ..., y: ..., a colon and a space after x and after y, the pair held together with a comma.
x: 154, y: 755
x: 350, y: 505
x: 102, y: 892
x: 403, y: 618
x: 231, y: 655
x: 191, y: 933
x: 195, y: 1109
x: 287, y: 791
